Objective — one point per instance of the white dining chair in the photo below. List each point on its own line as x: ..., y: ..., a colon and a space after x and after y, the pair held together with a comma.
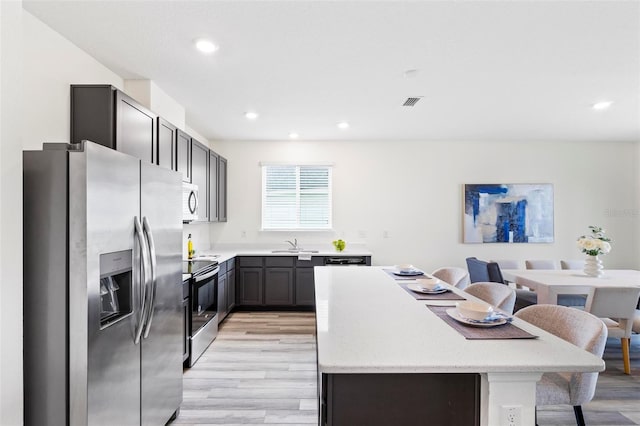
x: 457, y: 277
x: 581, y: 329
x: 508, y: 263
x: 541, y: 264
x: 616, y: 306
x: 572, y: 264
x: 497, y: 295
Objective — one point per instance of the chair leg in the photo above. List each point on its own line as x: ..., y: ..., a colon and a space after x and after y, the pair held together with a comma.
x: 577, y: 410
x: 625, y: 355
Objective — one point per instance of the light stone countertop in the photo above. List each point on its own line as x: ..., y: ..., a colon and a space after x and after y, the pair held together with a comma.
x: 224, y: 253
x: 368, y: 324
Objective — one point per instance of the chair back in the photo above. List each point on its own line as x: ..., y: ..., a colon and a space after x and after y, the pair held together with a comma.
x: 572, y: 264
x: 618, y: 303
x: 481, y: 271
x: 507, y: 263
x: 457, y: 277
x: 540, y: 264
x: 577, y: 327
x: 498, y: 295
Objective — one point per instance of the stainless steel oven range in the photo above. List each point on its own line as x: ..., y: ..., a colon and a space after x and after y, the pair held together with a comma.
x: 203, y: 299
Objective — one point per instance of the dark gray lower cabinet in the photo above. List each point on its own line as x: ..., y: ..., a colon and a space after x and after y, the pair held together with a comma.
x: 223, y: 308
x: 278, y: 286
x: 279, y: 281
x: 231, y: 289
x: 250, y: 285
x: 305, y: 290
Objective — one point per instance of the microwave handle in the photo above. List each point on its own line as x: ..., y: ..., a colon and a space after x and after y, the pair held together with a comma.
x: 154, y: 281
x: 193, y: 195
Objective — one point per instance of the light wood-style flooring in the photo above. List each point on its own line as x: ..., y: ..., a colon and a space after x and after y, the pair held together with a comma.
x: 262, y: 370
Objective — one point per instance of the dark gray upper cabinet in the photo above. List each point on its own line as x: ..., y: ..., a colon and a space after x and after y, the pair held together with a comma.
x: 222, y: 190
x: 105, y: 115
x: 167, y: 137
x: 200, y: 177
x: 183, y: 155
x: 213, y: 186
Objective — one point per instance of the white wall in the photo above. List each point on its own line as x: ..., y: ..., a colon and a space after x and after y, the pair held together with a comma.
x: 413, y: 191
x: 11, y: 400
x: 51, y: 64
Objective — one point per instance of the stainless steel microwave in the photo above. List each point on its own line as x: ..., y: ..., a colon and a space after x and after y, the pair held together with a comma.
x: 189, y: 202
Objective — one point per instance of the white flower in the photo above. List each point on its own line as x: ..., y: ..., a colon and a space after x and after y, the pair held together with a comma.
x: 595, y: 243
x: 589, y: 244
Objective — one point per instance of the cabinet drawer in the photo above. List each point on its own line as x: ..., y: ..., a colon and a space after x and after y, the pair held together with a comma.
x: 250, y: 261
x: 280, y: 261
x: 231, y: 263
x: 315, y: 261
x: 223, y: 268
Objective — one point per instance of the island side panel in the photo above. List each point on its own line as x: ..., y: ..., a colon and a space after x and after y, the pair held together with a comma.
x: 400, y: 399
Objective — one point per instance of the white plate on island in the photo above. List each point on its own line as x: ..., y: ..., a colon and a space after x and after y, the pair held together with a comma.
x: 411, y: 273
x: 419, y: 289
x: 453, y: 313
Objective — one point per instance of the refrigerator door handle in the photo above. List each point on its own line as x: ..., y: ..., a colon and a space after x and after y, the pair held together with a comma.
x: 145, y: 276
x: 152, y: 298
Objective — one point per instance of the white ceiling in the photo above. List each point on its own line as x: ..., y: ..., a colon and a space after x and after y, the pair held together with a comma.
x: 494, y: 70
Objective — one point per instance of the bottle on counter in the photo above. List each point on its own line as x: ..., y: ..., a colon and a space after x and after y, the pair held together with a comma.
x: 190, y: 250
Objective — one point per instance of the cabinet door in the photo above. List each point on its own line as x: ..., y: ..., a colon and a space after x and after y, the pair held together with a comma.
x: 231, y: 289
x: 167, y: 135
x: 250, y: 285
x: 183, y: 155
x: 278, y: 286
x: 135, y: 129
x: 305, y: 293
x: 222, y: 297
x: 93, y: 114
x: 186, y: 315
x: 222, y: 190
x: 213, y: 186
x: 199, y: 176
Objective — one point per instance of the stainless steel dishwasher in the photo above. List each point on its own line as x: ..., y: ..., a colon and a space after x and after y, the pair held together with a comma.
x: 347, y: 260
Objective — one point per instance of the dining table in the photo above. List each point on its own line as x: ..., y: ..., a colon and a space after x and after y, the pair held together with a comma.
x: 387, y: 357
x: 549, y: 283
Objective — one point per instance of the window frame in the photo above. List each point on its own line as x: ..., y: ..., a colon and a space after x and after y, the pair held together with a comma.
x: 298, y: 166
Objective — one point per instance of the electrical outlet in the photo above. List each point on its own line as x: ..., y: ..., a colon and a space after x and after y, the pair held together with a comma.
x: 511, y: 415
x: 243, y: 234
x: 385, y: 234
x: 362, y: 234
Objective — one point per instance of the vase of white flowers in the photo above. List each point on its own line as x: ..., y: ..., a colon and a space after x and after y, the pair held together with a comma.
x: 594, y: 245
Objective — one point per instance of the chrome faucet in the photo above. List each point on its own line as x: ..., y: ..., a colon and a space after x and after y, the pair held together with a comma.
x: 294, y: 244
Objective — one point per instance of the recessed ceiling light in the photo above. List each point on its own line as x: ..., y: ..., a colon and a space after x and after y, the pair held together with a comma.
x: 343, y: 125
x: 206, y: 46
x: 601, y: 105
x: 251, y: 115
x: 293, y: 135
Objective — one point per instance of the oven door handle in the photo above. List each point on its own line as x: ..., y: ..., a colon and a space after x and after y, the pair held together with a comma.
x: 154, y: 277
x: 144, y: 277
x: 207, y: 275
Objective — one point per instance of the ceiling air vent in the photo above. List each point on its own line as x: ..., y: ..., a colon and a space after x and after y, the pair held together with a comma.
x: 411, y: 101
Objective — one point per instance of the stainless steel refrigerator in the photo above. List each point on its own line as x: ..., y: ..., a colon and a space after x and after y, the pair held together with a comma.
x: 102, y: 288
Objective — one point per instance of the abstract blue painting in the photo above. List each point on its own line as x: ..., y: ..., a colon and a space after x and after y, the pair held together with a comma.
x: 508, y: 213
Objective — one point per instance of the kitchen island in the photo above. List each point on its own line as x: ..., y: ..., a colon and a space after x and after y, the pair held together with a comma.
x: 384, y: 356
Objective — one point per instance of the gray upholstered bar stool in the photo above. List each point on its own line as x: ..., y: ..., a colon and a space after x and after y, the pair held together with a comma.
x: 497, y: 295
x: 457, y: 277
x: 583, y: 330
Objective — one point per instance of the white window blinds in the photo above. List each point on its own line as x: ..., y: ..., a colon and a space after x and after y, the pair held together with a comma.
x: 296, y: 197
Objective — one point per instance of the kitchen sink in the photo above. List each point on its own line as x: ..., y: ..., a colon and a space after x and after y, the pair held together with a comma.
x: 294, y: 251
